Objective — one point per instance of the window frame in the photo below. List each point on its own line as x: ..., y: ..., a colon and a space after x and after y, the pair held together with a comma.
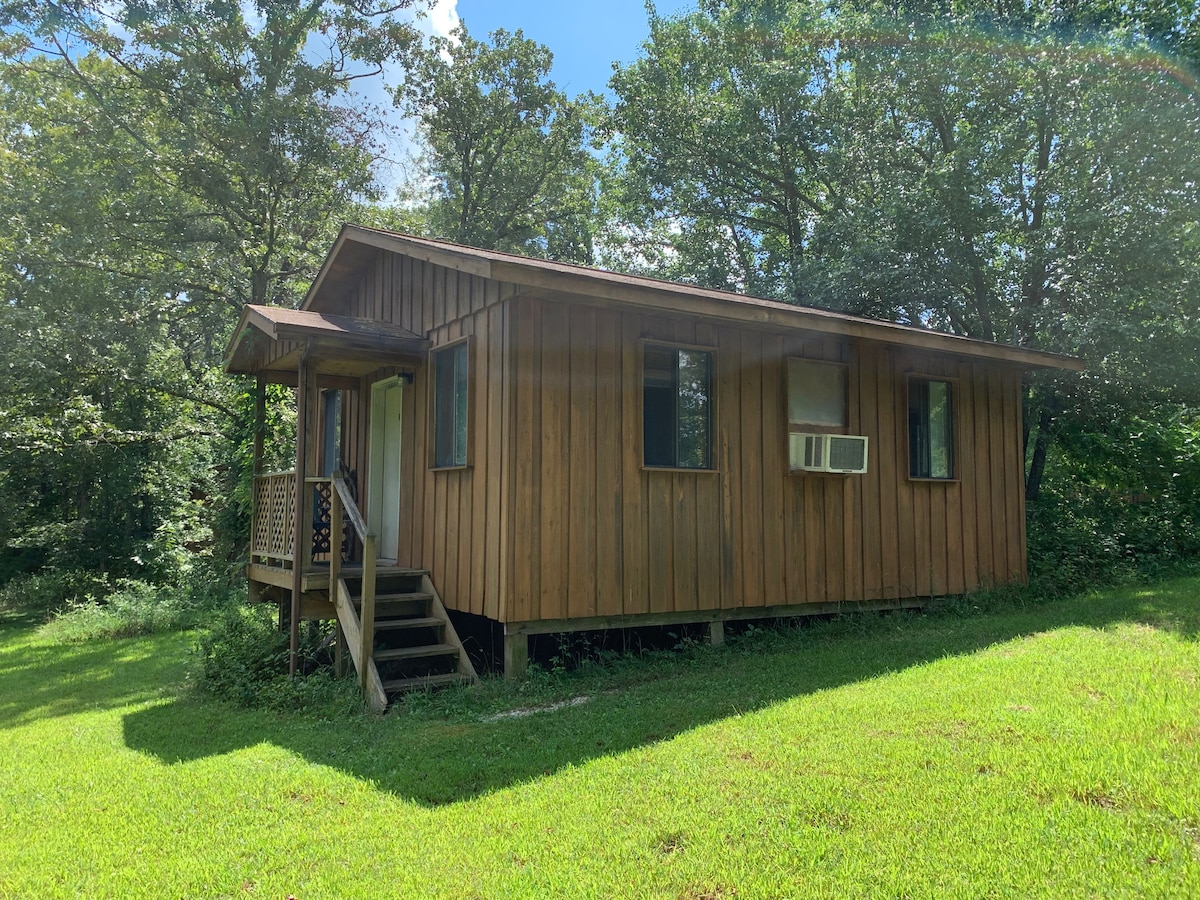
x: 443, y: 351
x: 791, y: 427
x: 952, y: 384
x: 677, y: 347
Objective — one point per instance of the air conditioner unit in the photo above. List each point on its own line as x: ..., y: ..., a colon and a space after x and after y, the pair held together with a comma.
x: 844, y: 453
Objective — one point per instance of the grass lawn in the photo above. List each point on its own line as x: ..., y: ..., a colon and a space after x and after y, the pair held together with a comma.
x: 1051, y: 750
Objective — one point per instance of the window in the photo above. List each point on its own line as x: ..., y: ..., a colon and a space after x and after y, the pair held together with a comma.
x: 816, y: 395
x: 677, y: 407
x: 450, y: 406
x: 930, y: 428
x: 331, y: 435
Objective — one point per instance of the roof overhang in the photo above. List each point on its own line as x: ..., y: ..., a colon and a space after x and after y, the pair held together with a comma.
x: 358, y: 246
x: 271, y: 340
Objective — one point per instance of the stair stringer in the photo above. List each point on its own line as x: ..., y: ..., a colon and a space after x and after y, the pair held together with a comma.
x: 373, y: 690
x: 451, y: 636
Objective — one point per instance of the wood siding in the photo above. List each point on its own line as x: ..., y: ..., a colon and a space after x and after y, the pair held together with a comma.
x: 556, y: 518
x: 601, y: 535
x: 451, y: 520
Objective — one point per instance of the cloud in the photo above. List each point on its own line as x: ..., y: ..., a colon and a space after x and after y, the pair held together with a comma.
x: 442, y: 17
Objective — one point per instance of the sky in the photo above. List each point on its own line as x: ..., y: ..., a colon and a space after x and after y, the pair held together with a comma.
x: 585, y: 36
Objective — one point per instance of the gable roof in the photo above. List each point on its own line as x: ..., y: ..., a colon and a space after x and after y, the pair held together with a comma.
x: 356, y: 244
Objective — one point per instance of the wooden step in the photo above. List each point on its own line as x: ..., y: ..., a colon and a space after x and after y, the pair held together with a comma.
x: 355, y: 573
x: 419, y: 622
x: 384, y: 598
x: 415, y: 652
x: 407, y: 597
x: 396, y: 605
x: 401, y: 685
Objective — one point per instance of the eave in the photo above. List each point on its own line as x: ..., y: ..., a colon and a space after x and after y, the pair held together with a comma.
x: 269, y: 341
x: 565, y: 282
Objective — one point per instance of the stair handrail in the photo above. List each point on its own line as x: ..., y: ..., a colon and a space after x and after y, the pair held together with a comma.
x: 342, y: 502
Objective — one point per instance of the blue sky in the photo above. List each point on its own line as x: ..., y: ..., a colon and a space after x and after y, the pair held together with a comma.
x: 586, y: 36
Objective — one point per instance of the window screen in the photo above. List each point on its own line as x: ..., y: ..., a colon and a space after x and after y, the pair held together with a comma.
x: 450, y: 406
x: 816, y: 393
x: 677, y: 407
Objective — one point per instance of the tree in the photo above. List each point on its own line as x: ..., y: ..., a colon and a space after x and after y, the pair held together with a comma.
x: 164, y: 164
x: 1005, y: 175
x: 508, y: 164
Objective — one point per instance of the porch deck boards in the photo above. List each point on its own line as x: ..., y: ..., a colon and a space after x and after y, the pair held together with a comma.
x: 316, y: 578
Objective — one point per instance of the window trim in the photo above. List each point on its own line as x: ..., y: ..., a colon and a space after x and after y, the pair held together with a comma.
x: 712, y: 404
x: 431, y: 404
x: 955, y: 466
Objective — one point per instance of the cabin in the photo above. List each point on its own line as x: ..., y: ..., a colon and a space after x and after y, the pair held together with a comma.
x: 559, y: 448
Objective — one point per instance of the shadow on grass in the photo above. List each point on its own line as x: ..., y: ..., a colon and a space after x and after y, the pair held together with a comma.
x: 40, y: 680
x: 436, y: 762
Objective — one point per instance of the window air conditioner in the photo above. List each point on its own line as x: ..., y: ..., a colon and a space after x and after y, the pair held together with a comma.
x: 844, y: 453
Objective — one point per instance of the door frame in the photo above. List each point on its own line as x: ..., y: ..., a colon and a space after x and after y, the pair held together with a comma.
x: 383, y: 492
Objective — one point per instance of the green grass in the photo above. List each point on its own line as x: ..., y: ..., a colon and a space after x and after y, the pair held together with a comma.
x: 1051, y: 750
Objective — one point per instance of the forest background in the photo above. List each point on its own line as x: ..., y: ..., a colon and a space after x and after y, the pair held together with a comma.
x: 1025, y: 172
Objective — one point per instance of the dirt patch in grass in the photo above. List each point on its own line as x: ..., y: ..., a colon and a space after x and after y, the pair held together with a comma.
x: 1097, y: 798
x: 720, y: 892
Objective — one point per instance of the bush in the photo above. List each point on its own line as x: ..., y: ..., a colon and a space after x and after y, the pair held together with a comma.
x: 83, y: 608
x: 1120, y: 501
x: 52, y: 591
x: 244, y: 660
x: 241, y: 654
x: 132, y: 608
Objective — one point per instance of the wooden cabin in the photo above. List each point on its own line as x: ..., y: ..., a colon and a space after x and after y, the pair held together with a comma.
x: 559, y: 448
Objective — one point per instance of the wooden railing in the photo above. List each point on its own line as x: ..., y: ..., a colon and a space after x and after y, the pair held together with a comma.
x: 272, y: 538
x: 273, y: 523
x: 342, y: 505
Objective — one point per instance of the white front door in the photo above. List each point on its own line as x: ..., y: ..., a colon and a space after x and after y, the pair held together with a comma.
x: 383, y: 476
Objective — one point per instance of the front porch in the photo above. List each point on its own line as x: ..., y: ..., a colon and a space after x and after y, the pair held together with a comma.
x: 311, y: 548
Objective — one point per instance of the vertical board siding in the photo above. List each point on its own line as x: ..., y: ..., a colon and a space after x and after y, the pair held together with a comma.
x: 452, y: 522
x: 728, y: 455
x: 870, y: 509
x: 609, y: 560
x: 635, y: 588
x: 582, y: 464
x: 556, y: 462
x: 557, y: 518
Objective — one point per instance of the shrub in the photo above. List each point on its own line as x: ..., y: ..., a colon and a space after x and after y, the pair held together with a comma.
x: 244, y: 660
x: 241, y: 654
x: 52, y: 591
x: 1120, y: 499
x: 131, y: 608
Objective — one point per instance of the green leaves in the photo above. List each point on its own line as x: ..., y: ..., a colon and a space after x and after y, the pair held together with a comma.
x: 162, y: 165
x: 941, y: 164
x: 508, y: 164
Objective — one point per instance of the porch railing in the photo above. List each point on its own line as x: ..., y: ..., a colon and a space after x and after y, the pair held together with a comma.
x: 271, y: 528
x: 273, y: 522
x: 272, y: 539
x: 342, y: 505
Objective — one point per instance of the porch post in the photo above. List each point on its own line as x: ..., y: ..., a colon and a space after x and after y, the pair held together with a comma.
x: 302, y: 525
x: 516, y: 655
x: 254, y: 591
x: 260, y: 420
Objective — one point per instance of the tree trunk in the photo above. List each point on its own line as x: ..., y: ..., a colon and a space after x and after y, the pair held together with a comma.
x: 1037, y: 466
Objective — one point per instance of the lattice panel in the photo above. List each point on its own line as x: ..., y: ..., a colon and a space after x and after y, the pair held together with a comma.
x: 271, y: 532
x: 322, y: 524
